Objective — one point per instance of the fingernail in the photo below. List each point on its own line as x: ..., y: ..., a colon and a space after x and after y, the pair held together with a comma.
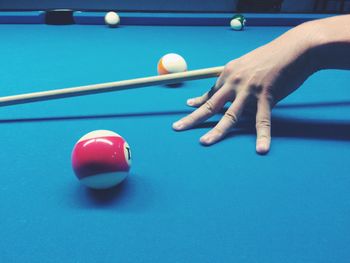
x: 178, y: 125
x: 190, y: 102
x: 262, y: 148
x: 206, y: 139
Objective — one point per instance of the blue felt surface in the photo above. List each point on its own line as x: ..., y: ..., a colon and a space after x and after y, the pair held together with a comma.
x: 183, y: 202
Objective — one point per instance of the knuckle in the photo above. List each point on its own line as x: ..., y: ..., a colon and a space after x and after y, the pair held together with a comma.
x: 256, y: 89
x: 263, y: 137
x: 230, y: 117
x: 229, y: 68
x: 209, y: 107
x: 258, y: 86
x: 235, y: 79
x: 263, y: 123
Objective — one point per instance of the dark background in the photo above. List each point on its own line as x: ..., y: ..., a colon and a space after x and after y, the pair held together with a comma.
x: 285, y: 6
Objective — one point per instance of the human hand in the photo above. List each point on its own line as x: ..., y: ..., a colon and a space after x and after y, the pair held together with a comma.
x: 255, y: 81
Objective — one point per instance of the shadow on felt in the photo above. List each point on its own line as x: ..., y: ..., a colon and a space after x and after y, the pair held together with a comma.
x: 132, y: 195
x: 281, y: 127
x: 292, y: 128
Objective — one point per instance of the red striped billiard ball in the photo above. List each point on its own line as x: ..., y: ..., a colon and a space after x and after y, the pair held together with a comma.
x: 101, y: 159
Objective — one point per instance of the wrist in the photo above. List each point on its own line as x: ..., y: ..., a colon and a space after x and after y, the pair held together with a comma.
x: 329, y: 42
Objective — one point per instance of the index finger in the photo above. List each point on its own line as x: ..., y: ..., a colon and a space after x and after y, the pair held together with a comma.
x: 208, y: 109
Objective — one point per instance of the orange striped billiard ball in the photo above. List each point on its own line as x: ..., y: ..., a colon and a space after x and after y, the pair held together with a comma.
x: 171, y: 63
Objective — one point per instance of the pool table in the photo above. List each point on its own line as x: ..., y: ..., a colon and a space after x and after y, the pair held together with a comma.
x: 182, y: 202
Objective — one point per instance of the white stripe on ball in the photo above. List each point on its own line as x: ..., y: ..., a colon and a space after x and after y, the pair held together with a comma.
x: 236, y: 24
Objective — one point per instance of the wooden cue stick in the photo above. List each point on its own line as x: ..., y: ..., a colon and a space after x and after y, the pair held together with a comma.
x: 111, y: 86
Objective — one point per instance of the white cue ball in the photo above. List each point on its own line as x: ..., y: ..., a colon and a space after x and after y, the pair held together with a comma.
x: 112, y: 19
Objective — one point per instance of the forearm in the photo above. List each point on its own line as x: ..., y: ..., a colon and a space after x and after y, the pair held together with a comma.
x: 330, y: 48
x: 321, y: 44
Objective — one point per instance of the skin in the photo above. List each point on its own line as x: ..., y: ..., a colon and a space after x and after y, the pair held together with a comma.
x: 258, y: 80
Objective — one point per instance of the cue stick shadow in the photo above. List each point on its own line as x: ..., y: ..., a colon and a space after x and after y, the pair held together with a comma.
x: 281, y: 127
x: 101, y: 116
x: 160, y: 113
